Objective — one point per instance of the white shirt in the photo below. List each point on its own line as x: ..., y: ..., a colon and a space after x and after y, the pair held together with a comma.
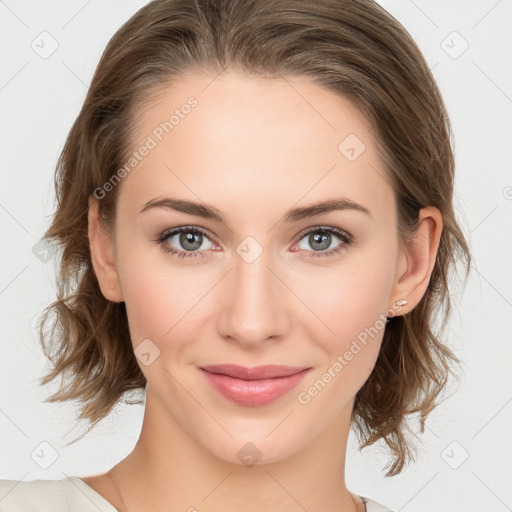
x: 72, y: 494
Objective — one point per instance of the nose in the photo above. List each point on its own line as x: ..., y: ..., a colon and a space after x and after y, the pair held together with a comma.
x: 254, y: 303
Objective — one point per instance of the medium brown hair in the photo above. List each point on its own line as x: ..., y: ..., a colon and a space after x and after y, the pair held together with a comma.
x: 351, y: 47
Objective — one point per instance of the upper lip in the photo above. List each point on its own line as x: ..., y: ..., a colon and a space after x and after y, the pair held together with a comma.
x: 254, y: 372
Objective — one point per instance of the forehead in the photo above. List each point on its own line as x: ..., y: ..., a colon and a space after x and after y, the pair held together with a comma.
x: 235, y: 137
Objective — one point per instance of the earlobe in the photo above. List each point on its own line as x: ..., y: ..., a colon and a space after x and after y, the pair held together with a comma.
x: 102, y: 254
x: 418, y: 259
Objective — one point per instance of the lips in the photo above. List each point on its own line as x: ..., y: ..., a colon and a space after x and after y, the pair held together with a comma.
x: 254, y: 373
x: 253, y: 387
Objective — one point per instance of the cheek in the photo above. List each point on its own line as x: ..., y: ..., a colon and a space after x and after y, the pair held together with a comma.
x: 349, y: 320
x: 350, y: 344
x: 159, y: 299
x: 344, y: 303
x: 160, y: 307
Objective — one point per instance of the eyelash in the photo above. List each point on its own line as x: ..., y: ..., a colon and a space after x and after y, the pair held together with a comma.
x: 345, y: 237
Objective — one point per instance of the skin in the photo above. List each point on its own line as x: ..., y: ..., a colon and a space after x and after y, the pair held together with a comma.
x: 252, y: 148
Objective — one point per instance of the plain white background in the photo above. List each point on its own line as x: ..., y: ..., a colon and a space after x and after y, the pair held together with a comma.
x: 464, y: 462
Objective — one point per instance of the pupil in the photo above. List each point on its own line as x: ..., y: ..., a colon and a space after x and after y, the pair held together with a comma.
x: 323, y: 239
x: 190, y: 241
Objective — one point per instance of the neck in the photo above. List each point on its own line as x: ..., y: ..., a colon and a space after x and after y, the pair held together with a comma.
x: 169, y: 469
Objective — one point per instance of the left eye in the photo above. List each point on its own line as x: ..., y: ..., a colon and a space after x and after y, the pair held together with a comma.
x: 191, y: 239
x: 322, y: 239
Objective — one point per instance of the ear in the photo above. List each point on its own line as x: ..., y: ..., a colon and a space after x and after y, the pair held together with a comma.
x: 417, y: 259
x: 102, y: 254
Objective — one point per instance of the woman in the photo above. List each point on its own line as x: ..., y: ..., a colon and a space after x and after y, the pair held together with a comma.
x: 256, y: 222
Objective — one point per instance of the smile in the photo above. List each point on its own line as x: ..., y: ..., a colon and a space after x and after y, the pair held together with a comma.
x: 253, y: 387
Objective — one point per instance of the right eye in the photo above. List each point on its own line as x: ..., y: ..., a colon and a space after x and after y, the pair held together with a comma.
x: 185, y: 242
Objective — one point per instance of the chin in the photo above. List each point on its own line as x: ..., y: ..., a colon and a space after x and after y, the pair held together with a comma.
x: 254, y: 450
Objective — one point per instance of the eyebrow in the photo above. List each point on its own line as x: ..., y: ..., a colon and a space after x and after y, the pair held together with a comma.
x: 210, y: 212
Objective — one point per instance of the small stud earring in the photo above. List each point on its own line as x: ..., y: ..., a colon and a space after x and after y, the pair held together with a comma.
x: 398, y: 303
x: 113, y: 287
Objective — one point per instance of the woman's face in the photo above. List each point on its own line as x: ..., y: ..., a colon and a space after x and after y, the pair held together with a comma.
x: 257, y: 276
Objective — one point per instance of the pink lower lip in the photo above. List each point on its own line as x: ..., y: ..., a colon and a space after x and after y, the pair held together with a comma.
x: 253, y: 393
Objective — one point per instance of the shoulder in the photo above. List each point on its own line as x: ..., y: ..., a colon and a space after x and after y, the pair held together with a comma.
x: 16, y: 495
x: 69, y: 493
x: 373, y: 506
